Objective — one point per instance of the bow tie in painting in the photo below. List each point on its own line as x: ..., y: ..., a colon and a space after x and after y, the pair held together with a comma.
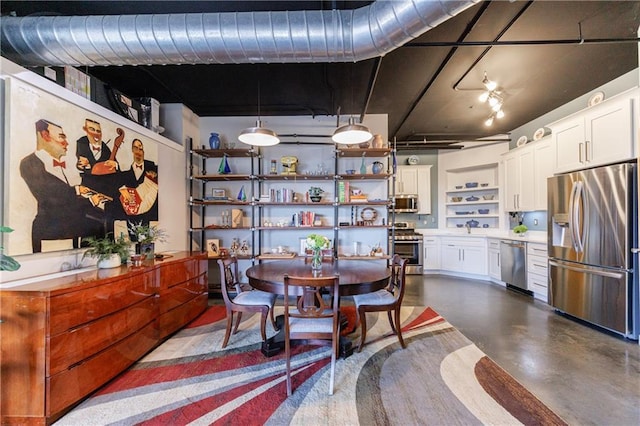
x: 57, y: 163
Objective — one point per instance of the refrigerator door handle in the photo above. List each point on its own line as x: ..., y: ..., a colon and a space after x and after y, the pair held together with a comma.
x: 608, y: 274
x: 572, y: 209
x: 580, y: 211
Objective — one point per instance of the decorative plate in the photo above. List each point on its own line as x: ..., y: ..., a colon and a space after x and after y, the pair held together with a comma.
x: 595, y: 99
x: 413, y: 160
x: 539, y: 134
x: 368, y: 215
x: 521, y: 141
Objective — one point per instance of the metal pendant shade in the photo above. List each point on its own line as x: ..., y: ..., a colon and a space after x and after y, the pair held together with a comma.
x: 351, y: 133
x: 259, y: 136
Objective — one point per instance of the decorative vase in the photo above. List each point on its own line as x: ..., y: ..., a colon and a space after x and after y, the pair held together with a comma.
x: 145, y: 249
x: 377, y: 167
x: 316, y: 259
x: 224, y: 168
x: 112, y: 261
x: 363, y: 167
x: 214, y: 141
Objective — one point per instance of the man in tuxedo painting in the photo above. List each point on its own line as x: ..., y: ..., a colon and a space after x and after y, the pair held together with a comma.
x: 91, y: 150
x: 139, y: 190
x: 62, y: 202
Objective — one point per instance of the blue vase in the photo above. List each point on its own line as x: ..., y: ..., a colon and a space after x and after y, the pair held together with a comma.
x: 214, y: 141
x: 377, y: 167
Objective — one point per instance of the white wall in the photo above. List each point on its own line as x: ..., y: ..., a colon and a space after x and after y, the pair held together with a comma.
x: 172, y: 189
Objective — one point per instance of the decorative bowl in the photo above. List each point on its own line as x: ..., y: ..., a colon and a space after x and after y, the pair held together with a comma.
x: 459, y: 225
x: 486, y: 225
x: 473, y: 223
x: 351, y: 172
x: 484, y: 185
x: 488, y: 197
x: 483, y: 211
x: 472, y: 198
x: 456, y: 199
x: 471, y: 184
x: 458, y: 186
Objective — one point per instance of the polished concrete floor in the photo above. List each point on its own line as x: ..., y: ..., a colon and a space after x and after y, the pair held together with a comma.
x: 586, y: 376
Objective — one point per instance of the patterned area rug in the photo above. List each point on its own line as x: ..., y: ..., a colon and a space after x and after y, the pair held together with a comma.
x: 440, y: 378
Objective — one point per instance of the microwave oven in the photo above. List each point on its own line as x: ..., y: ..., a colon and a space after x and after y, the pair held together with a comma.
x: 405, y: 203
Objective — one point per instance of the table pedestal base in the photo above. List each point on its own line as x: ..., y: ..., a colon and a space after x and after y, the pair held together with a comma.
x: 275, y: 344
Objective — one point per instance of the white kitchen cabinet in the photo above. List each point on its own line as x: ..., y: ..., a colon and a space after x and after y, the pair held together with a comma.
x: 544, y: 165
x: 601, y: 134
x: 466, y: 255
x: 537, y: 270
x: 493, y: 251
x: 431, y: 254
x: 519, y: 179
x: 415, y: 180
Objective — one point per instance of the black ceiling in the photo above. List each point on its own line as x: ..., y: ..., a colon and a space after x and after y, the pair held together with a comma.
x: 543, y: 54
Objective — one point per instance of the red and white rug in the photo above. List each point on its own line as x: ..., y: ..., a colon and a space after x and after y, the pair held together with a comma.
x: 440, y: 378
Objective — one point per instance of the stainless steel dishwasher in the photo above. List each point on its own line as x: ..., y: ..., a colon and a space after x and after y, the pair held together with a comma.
x: 513, y: 263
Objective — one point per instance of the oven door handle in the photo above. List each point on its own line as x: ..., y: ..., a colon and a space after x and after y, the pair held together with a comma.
x: 407, y: 242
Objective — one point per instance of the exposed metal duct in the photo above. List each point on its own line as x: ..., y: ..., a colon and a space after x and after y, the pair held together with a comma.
x: 223, y: 38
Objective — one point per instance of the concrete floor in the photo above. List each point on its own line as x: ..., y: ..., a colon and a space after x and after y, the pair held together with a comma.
x: 586, y: 376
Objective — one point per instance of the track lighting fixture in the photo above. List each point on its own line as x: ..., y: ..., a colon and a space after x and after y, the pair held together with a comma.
x: 493, y: 98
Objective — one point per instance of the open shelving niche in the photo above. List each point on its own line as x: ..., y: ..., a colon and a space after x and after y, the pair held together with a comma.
x: 270, y: 204
x: 458, y: 213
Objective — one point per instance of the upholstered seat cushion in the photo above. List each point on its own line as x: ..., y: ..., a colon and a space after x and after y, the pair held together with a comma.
x: 377, y: 298
x: 255, y: 297
x: 310, y: 325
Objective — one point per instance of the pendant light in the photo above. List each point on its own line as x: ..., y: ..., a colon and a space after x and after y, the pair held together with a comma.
x: 258, y: 135
x: 351, y: 133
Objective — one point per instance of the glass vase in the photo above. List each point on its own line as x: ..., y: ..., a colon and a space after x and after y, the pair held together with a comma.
x: 316, y: 260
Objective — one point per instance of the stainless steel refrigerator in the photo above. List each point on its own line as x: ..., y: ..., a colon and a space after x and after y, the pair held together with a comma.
x: 592, y: 229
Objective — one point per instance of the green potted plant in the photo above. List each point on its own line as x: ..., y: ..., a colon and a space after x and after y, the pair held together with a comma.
x: 7, y: 263
x: 107, y: 250
x: 145, y: 236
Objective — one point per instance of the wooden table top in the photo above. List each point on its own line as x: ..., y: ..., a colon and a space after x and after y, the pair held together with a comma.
x: 356, y: 276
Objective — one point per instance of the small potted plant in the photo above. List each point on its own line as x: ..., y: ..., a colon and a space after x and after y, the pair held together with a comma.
x: 107, y: 250
x: 7, y: 263
x: 145, y: 236
x: 520, y: 230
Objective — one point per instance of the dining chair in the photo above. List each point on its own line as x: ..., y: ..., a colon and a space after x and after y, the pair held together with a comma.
x: 312, y: 318
x: 244, y: 301
x: 388, y: 299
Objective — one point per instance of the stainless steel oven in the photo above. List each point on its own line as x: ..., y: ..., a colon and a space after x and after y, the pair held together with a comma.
x: 409, y: 245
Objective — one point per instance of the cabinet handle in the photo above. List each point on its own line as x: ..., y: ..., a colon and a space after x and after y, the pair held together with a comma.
x: 580, y: 148
x: 586, y: 151
x: 539, y: 265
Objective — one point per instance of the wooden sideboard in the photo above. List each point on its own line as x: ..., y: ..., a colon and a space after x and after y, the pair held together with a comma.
x: 63, y: 338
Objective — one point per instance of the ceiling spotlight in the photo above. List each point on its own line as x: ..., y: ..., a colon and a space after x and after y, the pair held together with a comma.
x: 259, y: 136
x: 351, y: 133
x: 489, y: 121
x: 497, y: 107
x: 500, y: 114
x: 490, y: 85
x: 483, y: 98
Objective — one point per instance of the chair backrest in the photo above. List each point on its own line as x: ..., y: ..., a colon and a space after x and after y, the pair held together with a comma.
x: 229, y: 277
x: 398, y: 275
x: 309, y: 300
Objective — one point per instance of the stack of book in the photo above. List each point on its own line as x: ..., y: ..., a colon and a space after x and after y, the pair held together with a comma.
x: 362, y: 198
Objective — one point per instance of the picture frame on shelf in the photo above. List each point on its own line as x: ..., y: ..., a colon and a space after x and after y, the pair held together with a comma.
x: 213, y: 247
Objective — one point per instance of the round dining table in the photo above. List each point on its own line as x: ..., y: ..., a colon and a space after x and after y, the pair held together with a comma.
x: 355, y: 277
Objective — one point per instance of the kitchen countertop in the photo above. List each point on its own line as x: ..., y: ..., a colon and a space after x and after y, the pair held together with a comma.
x: 531, y: 236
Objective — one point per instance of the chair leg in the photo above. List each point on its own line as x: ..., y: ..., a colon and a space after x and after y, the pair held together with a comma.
x: 287, y: 352
x: 263, y: 325
x: 227, y: 333
x: 393, y: 327
x: 363, y: 328
x: 334, y: 349
x: 273, y: 320
x: 238, y: 319
x: 398, y: 328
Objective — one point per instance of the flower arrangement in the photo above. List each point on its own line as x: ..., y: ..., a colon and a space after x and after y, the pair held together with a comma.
x: 146, y: 233
x: 520, y: 229
x: 102, y: 248
x: 317, y: 242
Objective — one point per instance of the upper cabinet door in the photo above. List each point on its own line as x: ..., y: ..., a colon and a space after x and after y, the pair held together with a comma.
x: 416, y: 180
x: 609, y: 132
x: 569, y: 143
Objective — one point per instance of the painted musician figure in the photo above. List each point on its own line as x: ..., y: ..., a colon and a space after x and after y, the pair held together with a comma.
x: 139, y: 189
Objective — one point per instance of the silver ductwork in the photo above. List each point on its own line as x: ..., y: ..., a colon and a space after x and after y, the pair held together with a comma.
x: 223, y: 38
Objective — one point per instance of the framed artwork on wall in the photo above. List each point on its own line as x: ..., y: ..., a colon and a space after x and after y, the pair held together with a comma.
x: 70, y: 173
